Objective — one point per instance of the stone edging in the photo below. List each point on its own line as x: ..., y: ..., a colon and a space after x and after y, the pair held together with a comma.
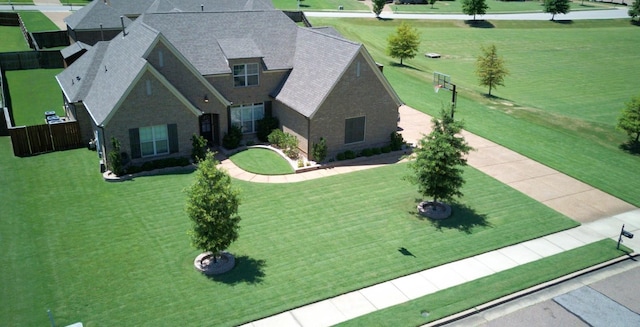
x: 221, y: 268
x: 110, y: 177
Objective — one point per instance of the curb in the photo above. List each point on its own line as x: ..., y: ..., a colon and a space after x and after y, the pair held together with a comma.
x: 528, y: 291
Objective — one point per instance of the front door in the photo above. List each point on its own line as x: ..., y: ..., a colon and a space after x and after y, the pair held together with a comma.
x: 209, y: 128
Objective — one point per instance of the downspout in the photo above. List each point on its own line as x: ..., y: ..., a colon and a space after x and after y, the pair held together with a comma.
x: 102, y: 150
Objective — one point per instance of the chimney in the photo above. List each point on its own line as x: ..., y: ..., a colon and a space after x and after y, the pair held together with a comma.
x: 101, y: 32
x: 124, y: 33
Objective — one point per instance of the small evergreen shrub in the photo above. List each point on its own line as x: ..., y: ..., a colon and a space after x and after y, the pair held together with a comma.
x: 232, y: 139
x: 340, y: 156
x: 376, y: 151
x: 349, y: 155
x: 386, y: 149
x: 265, y: 126
x: 159, y: 164
x: 396, y: 141
x: 115, y: 158
x: 319, y: 150
x: 366, y: 152
x: 199, y: 148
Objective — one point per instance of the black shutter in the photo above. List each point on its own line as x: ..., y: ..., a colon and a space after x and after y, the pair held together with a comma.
x: 134, y: 141
x: 172, y: 129
x: 267, y: 109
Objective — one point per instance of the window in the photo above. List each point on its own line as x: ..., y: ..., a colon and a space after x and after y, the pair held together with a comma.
x: 246, y: 116
x: 354, y: 130
x: 245, y: 75
x: 154, y: 140
x: 160, y: 58
x: 148, y: 85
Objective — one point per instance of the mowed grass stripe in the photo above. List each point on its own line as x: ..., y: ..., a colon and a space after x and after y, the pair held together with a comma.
x: 119, y: 252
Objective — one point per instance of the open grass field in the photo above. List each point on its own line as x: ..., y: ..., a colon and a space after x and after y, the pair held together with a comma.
x: 33, y: 92
x: 469, y: 295
x: 567, y: 86
x: 261, y: 161
x: 119, y: 254
x: 495, y: 7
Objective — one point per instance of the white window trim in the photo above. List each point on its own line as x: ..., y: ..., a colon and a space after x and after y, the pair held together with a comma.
x: 154, y: 141
x: 253, y: 119
x: 246, y: 75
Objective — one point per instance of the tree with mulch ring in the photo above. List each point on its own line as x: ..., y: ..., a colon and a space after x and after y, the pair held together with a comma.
x: 437, y: 169
x: 212, y: 206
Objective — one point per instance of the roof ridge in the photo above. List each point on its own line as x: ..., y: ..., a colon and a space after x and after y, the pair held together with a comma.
x: 339, y: 38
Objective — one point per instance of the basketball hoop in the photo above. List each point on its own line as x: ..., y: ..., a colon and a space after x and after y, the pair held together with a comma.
x: 437, y: 88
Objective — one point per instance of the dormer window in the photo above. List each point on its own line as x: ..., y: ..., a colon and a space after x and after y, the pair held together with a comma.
x: 245, y: 75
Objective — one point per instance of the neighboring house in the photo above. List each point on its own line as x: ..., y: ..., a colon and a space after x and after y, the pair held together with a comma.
x: 172, y: 75
x: 102, y: 20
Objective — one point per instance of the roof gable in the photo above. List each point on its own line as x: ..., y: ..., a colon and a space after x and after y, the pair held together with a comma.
x: 320, y: 60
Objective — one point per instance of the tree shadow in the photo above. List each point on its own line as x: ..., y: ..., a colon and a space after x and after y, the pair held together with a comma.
x: 479, y: 23
x: 247, y: 270
x: 463, y: 218
x: 562, y: 21
x: 384, y: 19
x: 631, y: 147
x: 397, y: 64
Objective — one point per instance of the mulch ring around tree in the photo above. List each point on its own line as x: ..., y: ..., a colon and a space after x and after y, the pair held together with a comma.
x: 205, y: 264
x: 434, y: 210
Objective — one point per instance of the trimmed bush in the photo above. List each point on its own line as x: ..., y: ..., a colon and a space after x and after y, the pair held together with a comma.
x: 386, y: 149
x: 349, y: 155
x: 199, y: 150
x: 115, y: 158
x: 284, y: 141
x: 159, y: 164
x: 319, y: 150
x: 232, y: 139
x: 396, y: 141
x: 340, y: 156
x: 366, y: 152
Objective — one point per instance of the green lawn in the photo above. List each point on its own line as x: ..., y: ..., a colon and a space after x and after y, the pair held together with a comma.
x: 495, y: 7
x: 118, y: 253
x: 12, y: 40
x: 262, y: 161
x: 567, y: 86
x: 36, y: 21
x: 319, y: 5
x: 33, y: 92
x: 469, y: 295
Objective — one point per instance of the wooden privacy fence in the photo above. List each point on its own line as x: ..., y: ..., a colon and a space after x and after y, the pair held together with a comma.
x: 31, y: 140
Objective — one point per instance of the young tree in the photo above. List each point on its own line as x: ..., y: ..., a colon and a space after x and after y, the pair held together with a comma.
x: 556, y: 7
x: 378, y: 5
x: 474, y: 7
x: 212, y: 206
x: 629, y: 120
x: 115, y: 158
x: 403, y: 44
x: 490, y: 68
x: 439, y: 157
x: 634, y: 11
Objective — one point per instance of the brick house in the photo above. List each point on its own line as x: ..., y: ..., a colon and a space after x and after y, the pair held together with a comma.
x: 171, y: 75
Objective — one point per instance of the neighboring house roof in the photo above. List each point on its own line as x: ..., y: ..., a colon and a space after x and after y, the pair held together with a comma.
x: 108, y: 12
x: 74, y: 49
x: 205, y: 38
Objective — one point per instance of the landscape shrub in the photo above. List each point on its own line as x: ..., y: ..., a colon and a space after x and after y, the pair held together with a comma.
x: 366, y: 152
x: 376, y: 151
x: 340, y: 156
x: 199, y: 148
x: 319, y: 150
x: 232, y: 139
x: 286, y: 142
x: 115, y: 158
x: 396, y: 141
x: 349, y: 155
x: 386, y: 149
x: 158, y: 164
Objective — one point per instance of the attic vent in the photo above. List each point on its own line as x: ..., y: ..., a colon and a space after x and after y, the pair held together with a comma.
x: 78, y: 78
x: 201, y: 7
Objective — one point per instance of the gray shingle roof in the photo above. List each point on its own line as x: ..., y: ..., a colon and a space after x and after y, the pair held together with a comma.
x: 165, y: 6
x: 77, y: 79
x: 73, y: 49
x: 198, y: 37
x: 108, y: 14
x: 320, y: 59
